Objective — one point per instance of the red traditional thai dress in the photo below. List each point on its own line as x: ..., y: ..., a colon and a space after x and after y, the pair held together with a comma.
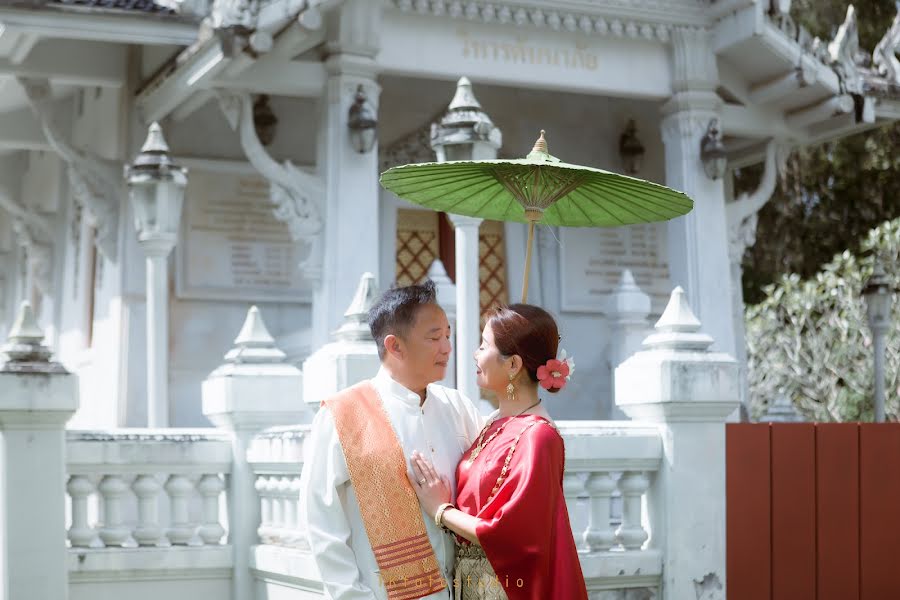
x: 524, y: 526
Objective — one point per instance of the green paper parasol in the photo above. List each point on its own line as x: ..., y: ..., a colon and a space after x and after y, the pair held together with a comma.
x: 537, y: 189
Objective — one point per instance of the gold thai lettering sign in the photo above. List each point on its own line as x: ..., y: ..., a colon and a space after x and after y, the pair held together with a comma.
x: 525, y: 53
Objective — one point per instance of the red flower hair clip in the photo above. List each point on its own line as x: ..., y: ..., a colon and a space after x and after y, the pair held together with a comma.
x: 556, y: 372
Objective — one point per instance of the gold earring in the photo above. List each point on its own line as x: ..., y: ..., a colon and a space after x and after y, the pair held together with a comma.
x: 511, y: 390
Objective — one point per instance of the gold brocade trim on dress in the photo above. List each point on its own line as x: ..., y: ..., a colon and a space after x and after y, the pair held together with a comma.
x: 475, y: 578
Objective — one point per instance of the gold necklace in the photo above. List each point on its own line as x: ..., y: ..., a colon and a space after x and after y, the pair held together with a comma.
x: 479, y: 446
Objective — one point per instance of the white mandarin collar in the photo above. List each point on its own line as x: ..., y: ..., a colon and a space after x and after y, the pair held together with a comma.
x: 397, y: 390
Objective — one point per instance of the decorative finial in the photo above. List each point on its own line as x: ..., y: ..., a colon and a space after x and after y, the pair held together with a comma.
x: 464, y: 97
x: 678, y: 327
x: 25, y: 345
x: 355, y: 327
x: 541, y: 144
x: 156, y: 141
x: 628, y: 302
x: 626, y: 282
x: 254, y: 343
x: 446, y: 290
x: 437, y: 272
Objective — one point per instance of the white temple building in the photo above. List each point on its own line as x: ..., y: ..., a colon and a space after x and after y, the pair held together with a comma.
x: 282, y: 114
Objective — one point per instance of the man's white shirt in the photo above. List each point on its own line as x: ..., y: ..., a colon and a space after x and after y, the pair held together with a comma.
x: 442, y: 428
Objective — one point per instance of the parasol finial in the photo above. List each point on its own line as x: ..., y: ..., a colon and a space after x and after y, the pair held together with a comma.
x: 541, y: 144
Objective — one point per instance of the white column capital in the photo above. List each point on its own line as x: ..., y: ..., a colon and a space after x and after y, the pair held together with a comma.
x: 687, y: 114
x: 355, y: 28
x: 354, y: 70
x: 157, y: 246
x: 465, y: 222
x: 693, y: 58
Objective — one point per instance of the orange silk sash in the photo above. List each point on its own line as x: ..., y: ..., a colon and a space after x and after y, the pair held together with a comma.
x: 389, y: 507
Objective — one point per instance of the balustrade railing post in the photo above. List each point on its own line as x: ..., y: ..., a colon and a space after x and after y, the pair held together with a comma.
x: 254, y: 389
x: 147, y: 489
x: 181, y: 529
x: 689, y: 391
x: 630, y: 533
x: 81, y: 534
x: 37, y: 398
x: 210, y: 487
x: 113, y: 532
x: 599, y: 535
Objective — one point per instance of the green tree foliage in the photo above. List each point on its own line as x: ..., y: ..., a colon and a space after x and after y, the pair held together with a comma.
x: 832, y: 194
x: 808, y: 339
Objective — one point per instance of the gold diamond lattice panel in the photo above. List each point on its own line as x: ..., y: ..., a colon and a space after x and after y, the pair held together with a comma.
x: 492, y: 266
x: 417, y: 244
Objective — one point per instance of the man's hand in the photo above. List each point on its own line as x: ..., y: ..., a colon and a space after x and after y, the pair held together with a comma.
x: 431, y: 489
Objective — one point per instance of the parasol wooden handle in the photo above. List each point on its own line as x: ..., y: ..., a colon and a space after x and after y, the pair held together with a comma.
x: 531, y: 221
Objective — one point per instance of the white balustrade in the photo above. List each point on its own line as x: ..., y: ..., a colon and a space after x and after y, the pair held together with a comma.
x: 608, y: 463
x: 152, y: 487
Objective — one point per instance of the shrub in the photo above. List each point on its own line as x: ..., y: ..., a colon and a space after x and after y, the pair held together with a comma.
x: 810, y: 340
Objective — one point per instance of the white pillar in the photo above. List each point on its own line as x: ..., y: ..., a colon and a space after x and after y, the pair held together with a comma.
x: 689, y: 391
x: 468, y: 306
x: 157, y: 332
x: 627, y: 309
x: 254, y: 389
x: 37, y: 398
x: 351, y: 233
x: 548, y: 284
x: 698, y: 241
x: 466, y: 132
x: 446, y: 297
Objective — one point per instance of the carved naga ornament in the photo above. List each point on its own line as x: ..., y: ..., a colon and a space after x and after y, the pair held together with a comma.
x: 844, y: 54
x: 95, y: 182
x: 885, y: 55
x: 742, y: 213
x: 296, y: 195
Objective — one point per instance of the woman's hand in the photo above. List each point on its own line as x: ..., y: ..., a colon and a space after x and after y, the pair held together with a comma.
x: 431, y: 489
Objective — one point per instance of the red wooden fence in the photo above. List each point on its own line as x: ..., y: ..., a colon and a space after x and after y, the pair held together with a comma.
x: 813, y: 511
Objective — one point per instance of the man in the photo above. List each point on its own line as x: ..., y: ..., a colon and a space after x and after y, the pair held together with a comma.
x: 367, y: 531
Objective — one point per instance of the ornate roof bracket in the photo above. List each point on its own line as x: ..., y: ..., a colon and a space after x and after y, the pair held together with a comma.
x: 414, y: 147
x: 296, y: 196
x: 17, y: 211
x: 742, y: 212
x: 96, y: 183
x: 38, y: 254
x: 844, y: 54
x: 884, y: 58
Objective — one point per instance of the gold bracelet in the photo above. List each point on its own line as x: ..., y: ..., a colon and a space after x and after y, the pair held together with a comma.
x: 440, y: 514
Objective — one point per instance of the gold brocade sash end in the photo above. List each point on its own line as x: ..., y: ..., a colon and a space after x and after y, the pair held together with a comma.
x: 387, y: 503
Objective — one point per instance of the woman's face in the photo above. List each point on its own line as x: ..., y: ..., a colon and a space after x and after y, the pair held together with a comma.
x: 491, y: 369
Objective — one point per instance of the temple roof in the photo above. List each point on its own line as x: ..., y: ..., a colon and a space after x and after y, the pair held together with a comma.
x: 144, y: 6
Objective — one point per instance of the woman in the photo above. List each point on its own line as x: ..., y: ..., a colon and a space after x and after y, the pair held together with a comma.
x: 510, y: 516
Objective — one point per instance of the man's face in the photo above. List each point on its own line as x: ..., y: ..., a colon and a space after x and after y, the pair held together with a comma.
x: 427, y: 345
